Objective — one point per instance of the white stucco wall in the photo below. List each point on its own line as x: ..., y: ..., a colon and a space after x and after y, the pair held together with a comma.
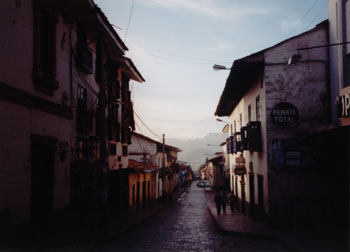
x: 303, y: 84
x: 142, y: 145
x: 258, y: 159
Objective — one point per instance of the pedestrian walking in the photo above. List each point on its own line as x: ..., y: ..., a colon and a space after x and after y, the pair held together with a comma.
x: 224, y: 201
x: 218, y: 202
x: 232, y: 201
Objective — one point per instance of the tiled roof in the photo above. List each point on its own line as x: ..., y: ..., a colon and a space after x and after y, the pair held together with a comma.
x: 133, y: 164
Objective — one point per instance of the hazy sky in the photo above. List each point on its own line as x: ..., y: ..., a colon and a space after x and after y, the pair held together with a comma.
x: 174, y: 44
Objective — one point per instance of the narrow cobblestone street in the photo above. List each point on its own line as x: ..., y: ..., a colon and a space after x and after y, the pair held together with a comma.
x: 186, y: 226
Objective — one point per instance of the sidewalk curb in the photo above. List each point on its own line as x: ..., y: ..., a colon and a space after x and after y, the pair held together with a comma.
x: 101, y: 243
x: 281, y: 242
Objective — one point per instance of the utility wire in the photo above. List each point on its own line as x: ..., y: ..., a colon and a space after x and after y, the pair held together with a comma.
x: 318, y: 14
x: 174, y: 60
x: 177, y: 60
x: 137, y: 138
x: 127, y: 27
x: 178, y: 55
x: 306, y: 13
x: 146, y: 125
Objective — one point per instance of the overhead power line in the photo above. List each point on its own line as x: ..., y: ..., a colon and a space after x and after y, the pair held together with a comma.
x: 185, y: 61
x: 178, y: 55
x: 306, y: 13
x: 127, y: 27
x: 318, y: 14
x: 146, y: 125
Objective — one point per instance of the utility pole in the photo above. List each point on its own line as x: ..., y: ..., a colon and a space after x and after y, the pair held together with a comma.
x: 164, y: 167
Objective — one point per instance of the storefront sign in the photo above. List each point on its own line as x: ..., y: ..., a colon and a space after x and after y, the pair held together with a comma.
x: 343, y: 105
x: 284, y: 115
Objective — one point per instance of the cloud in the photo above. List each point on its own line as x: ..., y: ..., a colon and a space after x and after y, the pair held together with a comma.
x: 210, y: 8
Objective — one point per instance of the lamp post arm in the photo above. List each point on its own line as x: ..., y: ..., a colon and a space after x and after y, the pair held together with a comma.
x: 328, y: 45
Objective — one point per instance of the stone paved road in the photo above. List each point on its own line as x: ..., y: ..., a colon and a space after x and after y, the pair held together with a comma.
x: 186, y: 226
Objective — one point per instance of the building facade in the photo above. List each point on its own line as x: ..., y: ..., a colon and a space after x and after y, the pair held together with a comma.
x: 276, y: 112
x: 62, y: 134
x: 339, y: 56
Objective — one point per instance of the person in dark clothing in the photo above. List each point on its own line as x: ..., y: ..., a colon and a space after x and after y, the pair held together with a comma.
x: 218, y: 202
x: 223, y: 201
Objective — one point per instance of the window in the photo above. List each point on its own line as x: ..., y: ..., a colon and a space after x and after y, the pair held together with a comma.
x: 260, y: 190
x: 240, y: 120
x: 347, y: 70
x: 258, y: 107
x: 125, y: 150
x: 84, y: 53
x: 44, y: 65
x: 112, y: 149
x: 234, y: 125
x: 81, y: 149
x: 81, y: 99
x: 249, y: 112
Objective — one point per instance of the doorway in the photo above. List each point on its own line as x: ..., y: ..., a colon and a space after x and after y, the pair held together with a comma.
x: 243, y: 195
x: 251, y: 195
x: 42, y: 177
x: 138, y: 195
x: 144, y: 194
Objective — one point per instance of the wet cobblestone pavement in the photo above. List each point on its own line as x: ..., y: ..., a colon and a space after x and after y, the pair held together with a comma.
x: 186, y: 226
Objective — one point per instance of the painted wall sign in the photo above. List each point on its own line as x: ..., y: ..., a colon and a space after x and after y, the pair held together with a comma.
x: 284, y: 115
x: 343, y: 105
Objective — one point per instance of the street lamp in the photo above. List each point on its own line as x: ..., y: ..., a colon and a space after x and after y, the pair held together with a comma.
x: 220, y: 67
x: 219, y: 120
x: 296, y: 57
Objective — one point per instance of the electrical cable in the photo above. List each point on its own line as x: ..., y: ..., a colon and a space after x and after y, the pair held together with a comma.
x: 176, y: 60
x: 319, y: 12
x: 137, y: 138
x: 146, y: 125
x: 127, y: 27
x: 306, y: 13
x: 177, y: 55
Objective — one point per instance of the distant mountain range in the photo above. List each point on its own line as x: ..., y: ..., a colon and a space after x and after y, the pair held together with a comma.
x: 195, y: 151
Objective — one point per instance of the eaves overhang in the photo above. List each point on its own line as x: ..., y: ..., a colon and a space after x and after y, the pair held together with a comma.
x: 243, y: 75
x: 245, y: 71
x: 108, y: 28
x: 130, y: 69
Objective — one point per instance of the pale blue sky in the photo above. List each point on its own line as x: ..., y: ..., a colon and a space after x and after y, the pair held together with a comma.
x: 174, y: 44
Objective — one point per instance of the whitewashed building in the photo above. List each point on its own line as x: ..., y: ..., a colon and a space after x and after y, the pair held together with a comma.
x: 144, y: 150
x: 275, y: 110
